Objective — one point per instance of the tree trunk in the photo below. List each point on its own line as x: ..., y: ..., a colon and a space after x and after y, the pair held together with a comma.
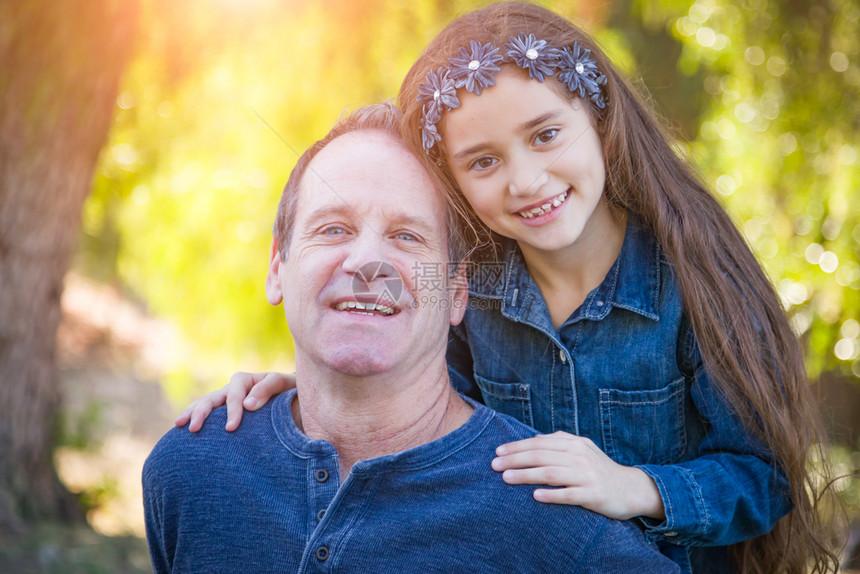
x: 60, y: 65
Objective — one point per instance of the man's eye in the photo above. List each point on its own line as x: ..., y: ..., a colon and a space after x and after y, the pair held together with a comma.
x: 334, y: 231
x: 483, y: 163
x: 546, y: 136
x: 404, y: 236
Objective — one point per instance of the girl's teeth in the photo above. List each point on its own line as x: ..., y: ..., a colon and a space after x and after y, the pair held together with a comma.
x: 545, y: 208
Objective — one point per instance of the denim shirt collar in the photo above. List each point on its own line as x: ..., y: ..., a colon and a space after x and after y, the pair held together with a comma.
x: 632, y: 283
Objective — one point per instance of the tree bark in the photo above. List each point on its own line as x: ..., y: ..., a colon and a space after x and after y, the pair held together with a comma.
x: 60, y: 66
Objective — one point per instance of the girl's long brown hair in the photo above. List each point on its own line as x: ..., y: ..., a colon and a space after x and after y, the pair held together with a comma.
x: 742, y: 331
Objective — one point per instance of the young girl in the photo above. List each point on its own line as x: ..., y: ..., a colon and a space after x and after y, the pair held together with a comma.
x: 625, y: 314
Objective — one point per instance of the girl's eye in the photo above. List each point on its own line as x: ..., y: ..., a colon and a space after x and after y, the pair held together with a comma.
x: 483, y: 163
x: 546, y: 136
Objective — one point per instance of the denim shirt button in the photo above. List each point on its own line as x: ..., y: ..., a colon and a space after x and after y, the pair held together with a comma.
x: 321, y: 475
x: 320, y: 514
x: 600, y: 303
x: 671, y: 534
x: 562, y: 356
x: 322, y: 553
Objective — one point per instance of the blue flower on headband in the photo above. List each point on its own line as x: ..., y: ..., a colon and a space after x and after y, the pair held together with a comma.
x: 476, y: 69
x: 439, y: 90
x: 533, y: 55
x: 579, y: 71
x: 429, y: 133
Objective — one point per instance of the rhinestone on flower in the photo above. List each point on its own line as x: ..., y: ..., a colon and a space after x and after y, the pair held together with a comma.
x: 475, y: 68
x: 578, y: 70
x: 533, y: 55
x: 436, y: 92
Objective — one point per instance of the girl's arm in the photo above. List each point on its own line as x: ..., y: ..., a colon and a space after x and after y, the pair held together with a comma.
x: 732, y: 491
x: 248, y: 390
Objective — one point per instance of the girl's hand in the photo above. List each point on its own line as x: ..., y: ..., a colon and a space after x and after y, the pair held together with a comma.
x: 251, y: 390
x: 587, y: 476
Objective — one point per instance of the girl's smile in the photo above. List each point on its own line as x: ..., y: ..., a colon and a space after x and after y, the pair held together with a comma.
x: 534, y: 214
x: 531, y: 164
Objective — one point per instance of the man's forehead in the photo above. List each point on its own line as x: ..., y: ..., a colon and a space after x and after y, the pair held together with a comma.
x: 367, y: 150
x: 369, y: 163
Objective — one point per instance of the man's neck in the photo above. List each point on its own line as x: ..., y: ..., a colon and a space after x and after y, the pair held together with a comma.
x: 365, y: 418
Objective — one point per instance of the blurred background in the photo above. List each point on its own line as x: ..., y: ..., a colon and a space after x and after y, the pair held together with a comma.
x: 144, y: 145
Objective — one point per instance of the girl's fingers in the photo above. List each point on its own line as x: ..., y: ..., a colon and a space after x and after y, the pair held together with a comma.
x: 560, y: 496
x: 267, y: 387
x: 184, y: 416
x: 534, y: 458
x: 555, y: 441
x: 237, y: 389
x: 546, y: 475
x: 203, y: 406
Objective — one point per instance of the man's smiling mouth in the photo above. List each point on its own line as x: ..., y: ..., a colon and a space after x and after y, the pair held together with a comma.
x: 365, y: 308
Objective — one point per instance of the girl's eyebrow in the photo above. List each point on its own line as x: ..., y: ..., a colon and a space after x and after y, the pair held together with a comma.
x: 531, y: 124
x: 525, y: 127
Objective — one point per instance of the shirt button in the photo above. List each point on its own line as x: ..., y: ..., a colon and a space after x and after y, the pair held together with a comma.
x: 321, y: 475
x: 671, y: 534
x: 600, y: 303
x: 320, y: 515
x: 562, y: 356
x: 322, y: 553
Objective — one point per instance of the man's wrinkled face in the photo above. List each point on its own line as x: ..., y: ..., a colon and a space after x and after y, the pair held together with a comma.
x: 369, y: 225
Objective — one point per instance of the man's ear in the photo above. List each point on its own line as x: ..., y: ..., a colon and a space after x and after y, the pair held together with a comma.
x: 273, y: 279
x: 458, y: 286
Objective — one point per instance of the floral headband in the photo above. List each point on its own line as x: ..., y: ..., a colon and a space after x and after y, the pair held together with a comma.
x: 475, y: 69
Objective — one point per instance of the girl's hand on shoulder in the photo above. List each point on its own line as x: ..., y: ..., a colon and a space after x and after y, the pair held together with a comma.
x: 248, y: 390
x: 586, y: 476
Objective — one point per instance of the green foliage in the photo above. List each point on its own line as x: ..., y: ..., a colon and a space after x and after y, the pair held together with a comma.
x: 80, y: 431
x: 223, y: 96
x: 780, y: 138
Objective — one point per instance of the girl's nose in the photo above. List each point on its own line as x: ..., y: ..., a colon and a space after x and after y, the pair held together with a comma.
x: 526, y: 178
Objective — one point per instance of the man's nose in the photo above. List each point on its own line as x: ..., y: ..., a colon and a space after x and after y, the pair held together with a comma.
x: 368, y: 247
x: 526, y: 177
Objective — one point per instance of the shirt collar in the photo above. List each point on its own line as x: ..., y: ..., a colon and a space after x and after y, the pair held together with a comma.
x: 304, y: 447
x: 632, y: 283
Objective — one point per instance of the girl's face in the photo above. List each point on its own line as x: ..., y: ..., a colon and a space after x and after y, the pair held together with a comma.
x: 529, y: 162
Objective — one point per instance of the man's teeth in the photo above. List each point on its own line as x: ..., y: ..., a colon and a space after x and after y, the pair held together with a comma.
x: 545, y: 208
x: 364, y: 308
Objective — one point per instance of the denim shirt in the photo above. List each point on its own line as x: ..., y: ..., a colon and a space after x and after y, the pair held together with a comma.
x: 625, y: 371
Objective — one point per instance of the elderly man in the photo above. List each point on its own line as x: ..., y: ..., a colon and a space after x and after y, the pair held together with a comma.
x: 374, y: 463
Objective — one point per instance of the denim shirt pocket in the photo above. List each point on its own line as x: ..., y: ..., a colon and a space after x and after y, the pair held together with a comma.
x: 644, y: 427
x: 512, y: 399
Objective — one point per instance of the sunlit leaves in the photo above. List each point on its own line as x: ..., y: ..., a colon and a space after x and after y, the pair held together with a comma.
x: 779, y: 139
